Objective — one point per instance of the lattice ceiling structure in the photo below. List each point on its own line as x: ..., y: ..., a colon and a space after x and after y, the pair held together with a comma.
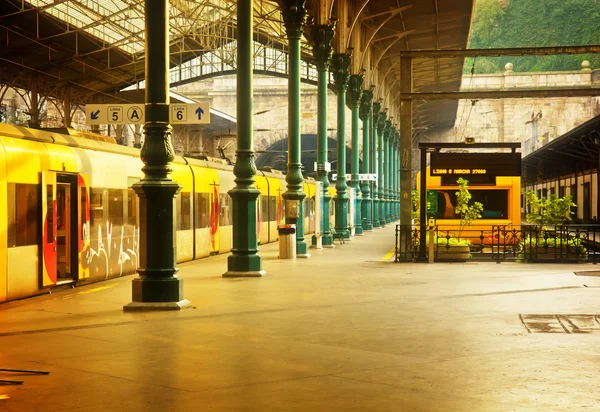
x: 97, y: 46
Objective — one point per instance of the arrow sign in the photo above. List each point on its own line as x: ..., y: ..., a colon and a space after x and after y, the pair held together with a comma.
x: 94, y: 115
x: 194, y: 113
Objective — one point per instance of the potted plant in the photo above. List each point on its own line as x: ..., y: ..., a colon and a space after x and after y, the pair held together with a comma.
x: 547, y: 240
x: 457, y: 248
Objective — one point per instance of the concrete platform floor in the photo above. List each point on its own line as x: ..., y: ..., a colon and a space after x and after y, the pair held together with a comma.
x: 341, y: 331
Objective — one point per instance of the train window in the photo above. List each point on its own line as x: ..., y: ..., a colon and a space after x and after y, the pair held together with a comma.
x: 308, y: 208
x: 184, y: 211
x: 132, y: 208
x: 23, y: 221
x: 96, y: 206
x: 202, y: 210
x: 115, y: 207
x: 264, y: 208
x: 272, y: 208
x: 226, y: 218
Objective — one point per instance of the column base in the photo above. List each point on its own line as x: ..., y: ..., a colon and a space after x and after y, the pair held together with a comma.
x: 248, y: 274
x: 302, y: 250
x: 328, y: 241
x: 358, y: 231
x: 367, y: 227
x: 157, y: 293
x: 147, y: 306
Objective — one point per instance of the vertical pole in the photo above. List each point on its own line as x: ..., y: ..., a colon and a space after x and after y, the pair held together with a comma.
x: 322, y: 36
x: 157, y: 286
x: 340, y: 63
x: 422, y: 257
x: 67, y: 106
x: 354, y: 96
x: 397, y: 166
x: 406, y: 142
x: 365, y: 115
x: 376, y: 169
x: 294, y: 15
x: 388, y: 170
x: 244, y: 260
x: 34, y: 120
x: 381, y: 176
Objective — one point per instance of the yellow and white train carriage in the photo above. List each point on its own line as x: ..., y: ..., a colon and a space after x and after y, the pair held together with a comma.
x: 68, y: 212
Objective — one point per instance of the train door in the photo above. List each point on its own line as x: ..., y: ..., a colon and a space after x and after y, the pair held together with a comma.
x: 66, y: 228
x: 59, y: 229
x: 48, y: 255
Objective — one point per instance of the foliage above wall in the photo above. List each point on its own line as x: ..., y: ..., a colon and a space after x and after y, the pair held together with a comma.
x: 527, y: 23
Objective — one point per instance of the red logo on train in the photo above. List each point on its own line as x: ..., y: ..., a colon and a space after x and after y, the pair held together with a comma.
x: 215, y: 212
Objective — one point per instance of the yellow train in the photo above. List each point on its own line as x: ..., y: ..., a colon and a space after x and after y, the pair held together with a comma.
x: 500, y: 199
x: 68, y: 213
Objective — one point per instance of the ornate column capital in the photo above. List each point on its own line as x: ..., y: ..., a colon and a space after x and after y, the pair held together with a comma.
x: 376, y: 109
x: 387, y: 129
x: 365, y: 104
x: 381, y: 122
x: 321, y: 37
x: 340, y: 62
x: 294, y: 16
x: 354, y: 90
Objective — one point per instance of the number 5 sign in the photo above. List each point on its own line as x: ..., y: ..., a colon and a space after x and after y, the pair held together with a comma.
x: 196, y: 113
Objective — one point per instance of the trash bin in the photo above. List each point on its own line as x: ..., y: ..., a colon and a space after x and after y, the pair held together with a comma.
x: 287, y: 241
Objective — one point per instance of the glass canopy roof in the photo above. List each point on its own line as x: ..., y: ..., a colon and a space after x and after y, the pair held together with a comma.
x: 196, y: 24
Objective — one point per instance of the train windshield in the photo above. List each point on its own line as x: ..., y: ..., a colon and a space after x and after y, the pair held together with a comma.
x: 495, y: 203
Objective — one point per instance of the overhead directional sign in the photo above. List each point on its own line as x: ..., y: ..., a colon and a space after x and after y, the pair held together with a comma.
x: 362, y: 176
x: 196, y: 113
x: 115, y: 114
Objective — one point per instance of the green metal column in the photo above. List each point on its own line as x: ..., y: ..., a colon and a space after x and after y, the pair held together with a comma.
x: 322, y: 35
x: 365, y: 115
x: 157, y: 286
x: 340, y: 64
x: 381, y: 176
x: 353, y: 100
x: 244, y: 260
x: 397, y: 177
x: 294, y: 15
x: 387, y: 137
x: 375, y: 160
x: 395, y: 174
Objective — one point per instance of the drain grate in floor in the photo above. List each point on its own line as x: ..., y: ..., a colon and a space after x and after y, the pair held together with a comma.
x: 561, y: 323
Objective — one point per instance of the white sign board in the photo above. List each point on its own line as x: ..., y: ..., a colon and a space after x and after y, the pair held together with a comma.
x: 115, y: 114
x: 334, y: 176
x: 196, y: 113
x: 371, y: 177
x: 361, y: 177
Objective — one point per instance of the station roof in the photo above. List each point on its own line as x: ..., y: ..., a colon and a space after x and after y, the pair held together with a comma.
x: 97, y: 46
x: 574, y: 152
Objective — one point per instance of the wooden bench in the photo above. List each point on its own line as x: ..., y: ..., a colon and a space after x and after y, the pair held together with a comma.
x: 337, y: 235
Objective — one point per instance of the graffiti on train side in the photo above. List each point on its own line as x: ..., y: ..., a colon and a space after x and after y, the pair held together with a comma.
x: 113, y: 254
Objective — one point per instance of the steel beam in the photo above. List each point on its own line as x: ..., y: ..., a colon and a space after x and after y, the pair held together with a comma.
x: 515, y: 51
x: 503, y: 94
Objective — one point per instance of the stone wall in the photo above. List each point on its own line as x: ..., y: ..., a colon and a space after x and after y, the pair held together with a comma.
x: 533, y: 122
x: 270, y: 120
